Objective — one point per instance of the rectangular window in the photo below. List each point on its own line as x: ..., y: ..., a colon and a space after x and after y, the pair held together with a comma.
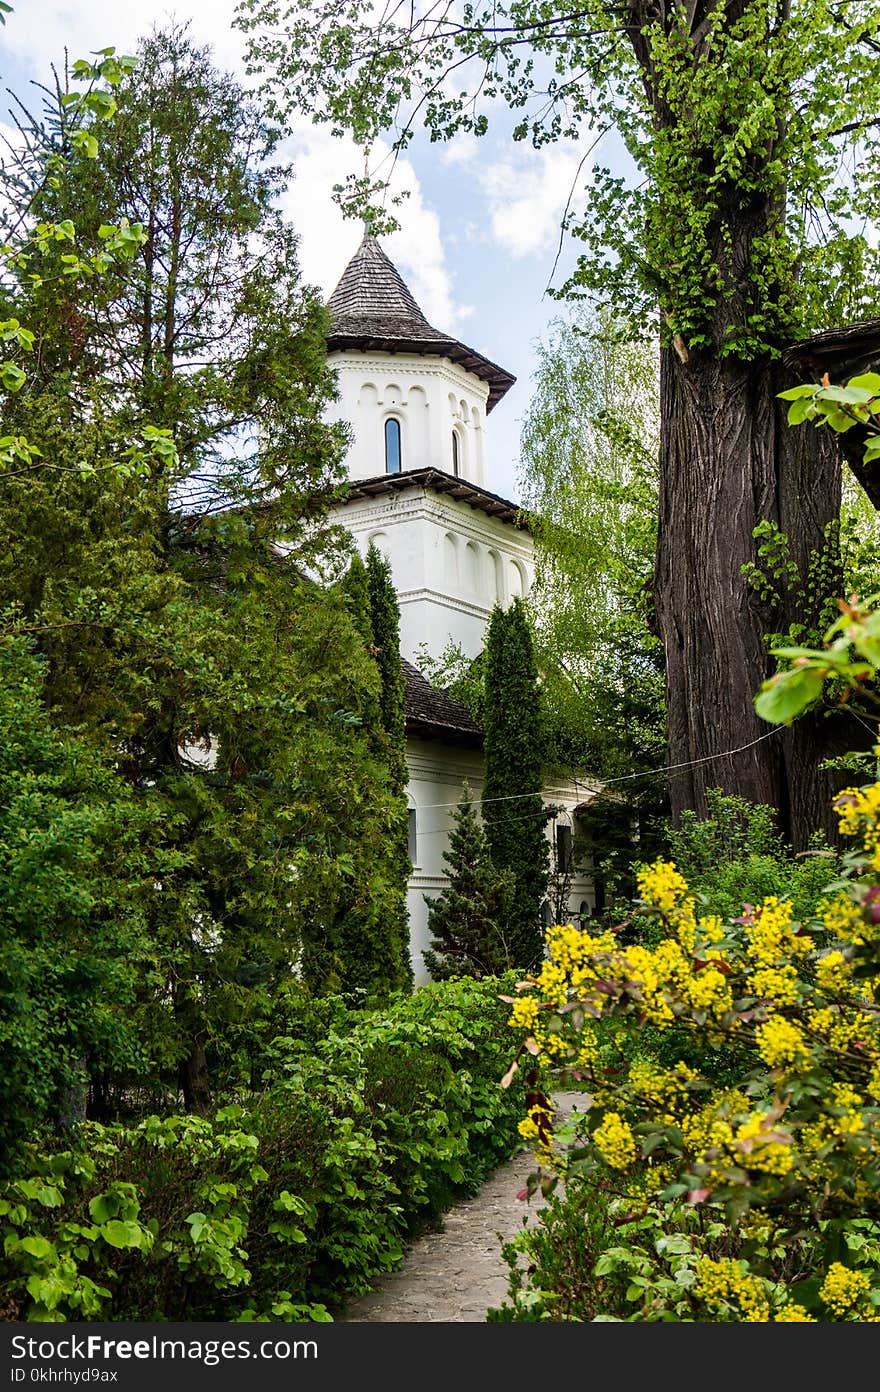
x: 563, y: 848
x: 412, y: 843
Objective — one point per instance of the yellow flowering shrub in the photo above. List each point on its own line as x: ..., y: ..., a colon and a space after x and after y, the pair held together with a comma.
x: 796, y: 1142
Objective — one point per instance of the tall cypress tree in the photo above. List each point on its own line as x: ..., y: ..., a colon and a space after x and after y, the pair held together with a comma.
x: 513, y: 809
x: 385, y: 623
x: 363, y: 944
x: 385, y: 620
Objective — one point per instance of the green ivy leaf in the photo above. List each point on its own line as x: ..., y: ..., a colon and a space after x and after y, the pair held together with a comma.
x: 120, y: 1234
x: 39, y: 1247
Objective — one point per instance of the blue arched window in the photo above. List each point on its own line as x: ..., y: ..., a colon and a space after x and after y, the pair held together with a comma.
x: 392, y: 446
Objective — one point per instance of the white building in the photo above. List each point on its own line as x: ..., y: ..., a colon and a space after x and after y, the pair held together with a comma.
x: 417, y: 401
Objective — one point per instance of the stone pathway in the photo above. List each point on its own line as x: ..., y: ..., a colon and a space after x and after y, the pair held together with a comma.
x: 456, y: 1274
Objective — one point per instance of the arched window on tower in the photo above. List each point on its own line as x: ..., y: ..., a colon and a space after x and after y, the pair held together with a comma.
x: 392, y: 445
x: 456, y: 454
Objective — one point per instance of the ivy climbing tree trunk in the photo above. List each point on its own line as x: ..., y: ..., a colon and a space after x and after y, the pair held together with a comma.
x: 729, y: 461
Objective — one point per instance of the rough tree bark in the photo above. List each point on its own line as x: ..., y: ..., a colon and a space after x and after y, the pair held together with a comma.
x: 728, y: 460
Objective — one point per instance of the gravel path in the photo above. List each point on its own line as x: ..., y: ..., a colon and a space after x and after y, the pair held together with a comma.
x: 456, y: 1274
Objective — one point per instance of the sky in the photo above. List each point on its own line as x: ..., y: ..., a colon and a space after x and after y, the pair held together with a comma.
x: 479, y: 232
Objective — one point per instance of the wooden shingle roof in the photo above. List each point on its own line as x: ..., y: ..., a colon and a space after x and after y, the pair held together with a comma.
x: 434, y: 714
x: 373, y: 310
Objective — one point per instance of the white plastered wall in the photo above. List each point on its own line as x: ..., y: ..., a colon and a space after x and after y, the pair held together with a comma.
x: 437, y: 772
x: 450, y: 562
x: 430, y: 397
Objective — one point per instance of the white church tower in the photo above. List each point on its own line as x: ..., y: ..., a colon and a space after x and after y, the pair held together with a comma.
x: 417, y: 402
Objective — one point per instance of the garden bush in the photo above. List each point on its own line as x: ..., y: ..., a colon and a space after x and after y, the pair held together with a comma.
x: 735, y: 856
x: 281, y: 1208
x: 749, y: 1197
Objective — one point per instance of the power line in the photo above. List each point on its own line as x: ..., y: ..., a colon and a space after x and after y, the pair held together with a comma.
x: 624, y: 778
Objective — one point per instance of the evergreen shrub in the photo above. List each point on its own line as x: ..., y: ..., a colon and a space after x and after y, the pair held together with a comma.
x: 279, y: 1210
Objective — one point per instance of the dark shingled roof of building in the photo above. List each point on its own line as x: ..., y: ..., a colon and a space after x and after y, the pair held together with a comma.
x: 439, y: 482
x: 372, y: 309
x: 434, y: 714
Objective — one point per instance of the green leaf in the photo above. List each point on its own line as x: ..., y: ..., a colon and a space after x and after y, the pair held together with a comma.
x: 39, y: 1247
x: 850, y: 395
x: 11, y: 376
x: 795, y: 393
x: 121, y: 1234
x: 799, y: 411
x: 788, y: 693
x: 870, y: 381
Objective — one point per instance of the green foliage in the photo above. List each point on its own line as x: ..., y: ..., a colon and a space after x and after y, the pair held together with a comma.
x: 370, y: 928
x: 182, y: 640
x: 468, y: 920
x: 735, y: 857
x: 551, y: 1263
x: 741, y: 214
x: 385, y: 623
x: 750, y: 1196
x: 463, y: 677
x: 588, y: 475
x: 71, y: 925
x: 284, y: 1209
x: 513, y: 812
x: 845, y: 665
x: 775, y: 575
x: 841, y: 408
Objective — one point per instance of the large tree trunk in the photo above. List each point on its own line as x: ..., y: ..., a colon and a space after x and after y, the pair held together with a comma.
x: 728, y: 461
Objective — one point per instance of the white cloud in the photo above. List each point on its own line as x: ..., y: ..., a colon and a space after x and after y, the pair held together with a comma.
x: 328, y: 241
x: 38, y: 31
x: 527, y: 192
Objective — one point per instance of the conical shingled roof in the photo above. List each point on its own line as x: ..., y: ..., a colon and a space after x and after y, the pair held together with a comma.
x: 372, y: 309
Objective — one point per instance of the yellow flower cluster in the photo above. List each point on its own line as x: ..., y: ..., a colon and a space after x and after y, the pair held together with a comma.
x: 842, y: 1119
x: 842, y: 916
x: 708, y: 990
x: 777, y: 984
x: 524, y: 1013
x: 656, y: 973
x: 833, y: 973
x: 724, y: 1283
x: 771, y: 936
x: 837, y: 1026
x: 780, y: 1043
x: 709, y: 1127
x: 762, y: 1146
x: 615, y: 1141
x: 858, y: 811
x: 537, y: 1128
x: 661, y: 885
x: 793, y: 1314
x: 661, y: 1087
x: 843, y: 1288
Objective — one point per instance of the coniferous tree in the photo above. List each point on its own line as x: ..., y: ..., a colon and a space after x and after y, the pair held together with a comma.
x: 180, y: 637
x: 469, y: 920
x: 363, y: 942
x: 385, y: 621
x: 513, y: 811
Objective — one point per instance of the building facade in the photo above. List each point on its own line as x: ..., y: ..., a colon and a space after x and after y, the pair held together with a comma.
x: 417, y: 402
